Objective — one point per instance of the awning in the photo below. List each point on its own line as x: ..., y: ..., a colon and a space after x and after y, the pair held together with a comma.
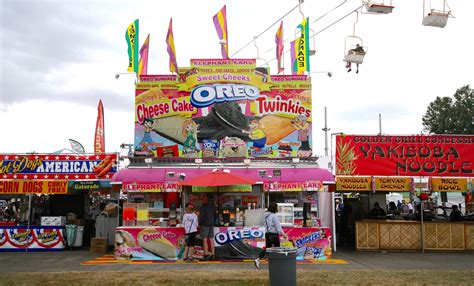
x: 153, y: 175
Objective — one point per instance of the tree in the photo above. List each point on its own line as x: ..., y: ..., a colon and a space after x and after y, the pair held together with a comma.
x: 447, y: 116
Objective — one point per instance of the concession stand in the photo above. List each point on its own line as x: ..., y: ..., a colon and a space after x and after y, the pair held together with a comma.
x: 223, y: 117
x: 427, y: 169
x: 38, y: 187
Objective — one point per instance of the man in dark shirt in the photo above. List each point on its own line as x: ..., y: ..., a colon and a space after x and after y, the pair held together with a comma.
x: 207, y: 216
x: 377, y: 211
x: 456, y: 214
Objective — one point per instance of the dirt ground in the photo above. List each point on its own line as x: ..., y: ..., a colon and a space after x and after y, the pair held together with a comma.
x: 244, y: 277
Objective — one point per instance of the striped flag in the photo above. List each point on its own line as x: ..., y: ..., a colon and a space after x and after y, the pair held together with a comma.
x: 279, y: 47
x: 131, y: 36
x: 293, y: 48
x: 171, y: 49
x: 99, y: 138
x: 220, y: 22
x: 143, y: 63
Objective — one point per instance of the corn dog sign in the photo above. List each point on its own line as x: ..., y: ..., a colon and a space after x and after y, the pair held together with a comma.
x: 57, y: 166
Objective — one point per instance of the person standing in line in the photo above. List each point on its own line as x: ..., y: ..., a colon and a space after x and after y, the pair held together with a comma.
x: 272, y: 231
x: 190, y: 223
x: 207, y: 217
x: 455, y: 214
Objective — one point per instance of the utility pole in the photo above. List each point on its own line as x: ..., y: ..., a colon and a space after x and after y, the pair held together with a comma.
x: 326, y: 129
x: 380, y: 123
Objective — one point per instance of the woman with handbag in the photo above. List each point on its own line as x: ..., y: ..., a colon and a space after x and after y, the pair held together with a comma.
x: 272, y: 231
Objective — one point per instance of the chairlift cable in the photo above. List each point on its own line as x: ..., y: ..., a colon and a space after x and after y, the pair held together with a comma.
x: 276, y: 22
x: 324, y: 29
x: 320, y: 17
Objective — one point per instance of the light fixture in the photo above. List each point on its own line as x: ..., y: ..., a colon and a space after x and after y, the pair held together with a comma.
x: 148, y: 160
x: 170, y: 174
x: 247, y: 161
x: 295, y: 160
x: 182, y: 176
x: 198, y: 161
x: 276, y: 172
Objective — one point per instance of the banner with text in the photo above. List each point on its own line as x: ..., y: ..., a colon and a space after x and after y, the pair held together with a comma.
x: 224, y: 108
x: 393, y: 184
x: 33, y: 187
x: 151, y: 187
x: 58, y: 166
x: 398, y: 155
x: 354, y: 184
x: 449, y: 185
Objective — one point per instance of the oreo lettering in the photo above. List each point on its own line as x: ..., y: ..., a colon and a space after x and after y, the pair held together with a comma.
x: 238, y: 234
x: 205, y: 95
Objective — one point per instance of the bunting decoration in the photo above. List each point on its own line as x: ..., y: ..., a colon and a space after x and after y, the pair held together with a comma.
x: 131, y: 36
x: 171, y: 49
x: 220, y: 22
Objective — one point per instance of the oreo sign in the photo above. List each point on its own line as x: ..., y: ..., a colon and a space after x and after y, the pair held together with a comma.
x: 205, y: 95
x: 238, y: 234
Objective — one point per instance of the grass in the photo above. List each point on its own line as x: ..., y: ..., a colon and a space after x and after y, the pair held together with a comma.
x: 235, y: 277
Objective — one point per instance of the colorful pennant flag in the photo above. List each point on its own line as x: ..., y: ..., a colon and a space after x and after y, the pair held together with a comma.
x: 131, y: 36
x: 171, y: 49
x: 99, y: 138
x: 143, y: 63
x: 293, y: 48
x: 220, y: 22
x: 302, y: 48
x: 279, y: 47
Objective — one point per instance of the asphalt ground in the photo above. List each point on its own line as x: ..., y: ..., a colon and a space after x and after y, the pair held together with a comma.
x: 76, y: 260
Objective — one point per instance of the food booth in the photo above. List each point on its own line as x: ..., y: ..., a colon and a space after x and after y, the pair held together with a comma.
x: 426, y: 168
x: 37, y: 187
x: 226, y: 115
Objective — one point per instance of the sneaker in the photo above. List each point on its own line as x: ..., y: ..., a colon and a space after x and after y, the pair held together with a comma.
x: 256, y: 262
x: 357, y: 71
x: 349, y: 70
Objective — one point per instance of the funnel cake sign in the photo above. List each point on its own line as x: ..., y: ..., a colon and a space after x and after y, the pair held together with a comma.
x: 416, y: 155
x: 224, y: 108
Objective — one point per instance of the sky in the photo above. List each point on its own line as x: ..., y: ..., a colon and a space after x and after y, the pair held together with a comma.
x: 59, y: 58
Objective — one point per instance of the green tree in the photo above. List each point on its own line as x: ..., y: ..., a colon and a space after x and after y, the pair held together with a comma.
x: 447, y: 116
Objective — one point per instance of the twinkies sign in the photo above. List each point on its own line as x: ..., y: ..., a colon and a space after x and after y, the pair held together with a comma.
x: 205, y: 95
x: 398, y: 155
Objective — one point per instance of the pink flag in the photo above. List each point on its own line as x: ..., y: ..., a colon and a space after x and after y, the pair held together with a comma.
x: 220, y: 22
x: 279, y: 47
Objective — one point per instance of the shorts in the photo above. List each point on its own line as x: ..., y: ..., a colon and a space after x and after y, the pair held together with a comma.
x: 207, y: 231
x: 191, y: 239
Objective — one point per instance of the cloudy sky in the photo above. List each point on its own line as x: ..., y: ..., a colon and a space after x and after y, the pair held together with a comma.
x: 58, y: 58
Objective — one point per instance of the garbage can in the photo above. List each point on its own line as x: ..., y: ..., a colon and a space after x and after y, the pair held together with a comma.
x: 79, y: 236
x: 282, y: 265
x: 71, y: 230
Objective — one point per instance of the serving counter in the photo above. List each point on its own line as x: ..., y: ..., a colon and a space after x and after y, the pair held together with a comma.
x: 240, y: 242
x: 406, y: 235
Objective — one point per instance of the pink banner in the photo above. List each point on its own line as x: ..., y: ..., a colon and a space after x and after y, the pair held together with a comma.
x: 313, y: 243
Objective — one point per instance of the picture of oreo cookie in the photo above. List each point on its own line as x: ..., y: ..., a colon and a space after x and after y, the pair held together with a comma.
x: 225, y: 120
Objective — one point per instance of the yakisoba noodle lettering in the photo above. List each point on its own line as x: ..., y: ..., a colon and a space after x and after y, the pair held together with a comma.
x: 277, y: 105
x: 415, y: 139
x: 163, y: 108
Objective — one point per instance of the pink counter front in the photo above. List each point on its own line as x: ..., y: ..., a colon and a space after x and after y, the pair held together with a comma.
x: 157, y: 243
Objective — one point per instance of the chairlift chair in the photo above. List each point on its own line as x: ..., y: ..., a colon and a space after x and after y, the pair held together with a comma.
x: 354, y: 57
x: 378, y: 7
x: 436, y: 18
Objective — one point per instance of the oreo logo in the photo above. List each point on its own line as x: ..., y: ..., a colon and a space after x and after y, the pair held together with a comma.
x: 238, y: 234
x: 205, y: 95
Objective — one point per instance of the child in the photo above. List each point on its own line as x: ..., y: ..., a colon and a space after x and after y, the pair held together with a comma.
x: 190, y: 223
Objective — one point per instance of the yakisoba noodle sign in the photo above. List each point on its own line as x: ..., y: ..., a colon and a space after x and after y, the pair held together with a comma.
x: 417, y: 155
x: 224, y: 108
